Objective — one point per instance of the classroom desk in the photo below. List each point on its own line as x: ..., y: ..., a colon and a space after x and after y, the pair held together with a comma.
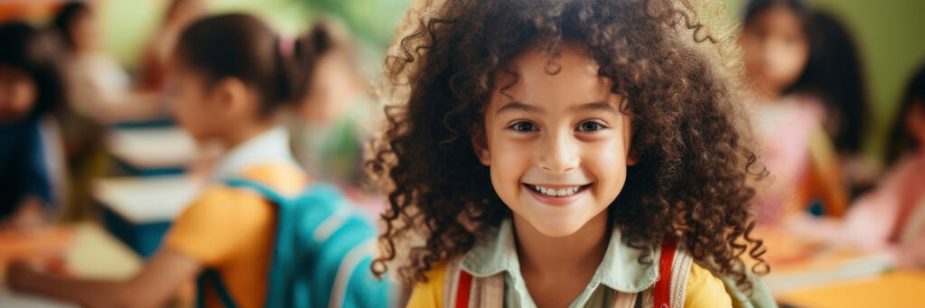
x: 900, y: 288
x: 139, y: 210
x: 88, y: 252
x: 151, y: 151
x: 809, y: 274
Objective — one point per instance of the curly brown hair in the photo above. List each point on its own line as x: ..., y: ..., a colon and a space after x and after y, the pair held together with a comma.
x: 692, y: 182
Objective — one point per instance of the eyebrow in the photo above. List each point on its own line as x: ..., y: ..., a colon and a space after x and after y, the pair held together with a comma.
x: 518, y: 106
x: 594, y: 106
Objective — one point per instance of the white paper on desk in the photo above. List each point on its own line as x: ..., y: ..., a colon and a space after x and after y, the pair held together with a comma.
x: 152, y: 147
x: 862, y: 266
x: 147, y: 199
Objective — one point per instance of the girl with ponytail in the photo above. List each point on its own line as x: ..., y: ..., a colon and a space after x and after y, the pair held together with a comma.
x: 233, y: 75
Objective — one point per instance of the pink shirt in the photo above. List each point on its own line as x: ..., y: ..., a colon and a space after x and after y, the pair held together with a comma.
x: 783, y: 130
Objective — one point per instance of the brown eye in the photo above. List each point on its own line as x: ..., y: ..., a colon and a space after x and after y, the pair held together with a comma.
x: 590, y: 126
x: 523, y: 126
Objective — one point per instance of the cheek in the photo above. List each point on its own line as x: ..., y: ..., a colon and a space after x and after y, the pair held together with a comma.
x: 23, y: 97
x: 607, y: 162
x: 786, y: 63
x: 510, y: 159
x: 191, y: 115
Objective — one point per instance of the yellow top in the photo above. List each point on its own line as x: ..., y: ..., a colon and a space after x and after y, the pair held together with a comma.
x: 231, y: 230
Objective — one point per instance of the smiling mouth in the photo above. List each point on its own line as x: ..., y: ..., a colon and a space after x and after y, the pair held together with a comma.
x: 559, y: 191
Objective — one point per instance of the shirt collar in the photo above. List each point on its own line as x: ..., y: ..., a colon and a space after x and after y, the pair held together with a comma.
x: 271, y: 146
x: 620, y: 269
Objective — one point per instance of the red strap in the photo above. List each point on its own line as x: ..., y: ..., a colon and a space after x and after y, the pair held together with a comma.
x: 463, y: 288
x: 662, y: 291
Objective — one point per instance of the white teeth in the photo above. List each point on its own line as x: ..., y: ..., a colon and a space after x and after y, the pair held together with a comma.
x: 564, y: 192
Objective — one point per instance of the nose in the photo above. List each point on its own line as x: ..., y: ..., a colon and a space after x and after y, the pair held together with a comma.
x: 558, y: 153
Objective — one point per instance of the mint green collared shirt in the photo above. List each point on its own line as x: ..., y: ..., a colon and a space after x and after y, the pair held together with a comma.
x: 620, y: 270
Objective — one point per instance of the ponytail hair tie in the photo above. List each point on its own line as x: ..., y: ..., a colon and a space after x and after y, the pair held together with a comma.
x: 285, y: 45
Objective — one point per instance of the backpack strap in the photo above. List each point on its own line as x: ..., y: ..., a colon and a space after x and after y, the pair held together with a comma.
x: 212, y: 277
x: 625, y: 300
x: 207, y: 277
x: 662, y: 291
x: 674, y: 268
x: 463, y: 288
x: 268, y: 193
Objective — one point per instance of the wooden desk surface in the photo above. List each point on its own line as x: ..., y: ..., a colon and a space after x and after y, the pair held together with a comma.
x: 901, y: 288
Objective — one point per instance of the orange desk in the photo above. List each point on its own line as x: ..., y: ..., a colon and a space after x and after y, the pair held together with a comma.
x: 901, y: 288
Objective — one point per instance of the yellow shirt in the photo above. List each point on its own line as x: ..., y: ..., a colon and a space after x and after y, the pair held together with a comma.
x: 231, y: 230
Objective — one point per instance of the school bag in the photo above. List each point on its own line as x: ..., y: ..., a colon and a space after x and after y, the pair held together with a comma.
x: 321, y: 255
x: 466, y: 291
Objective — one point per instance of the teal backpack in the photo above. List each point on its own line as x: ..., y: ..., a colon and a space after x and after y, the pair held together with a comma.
x: 321, y: 257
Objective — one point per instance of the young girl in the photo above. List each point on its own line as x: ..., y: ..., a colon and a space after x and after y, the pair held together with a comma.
x: 789, y: 124
x: 232, y: 77
x: 30, y: 87
x: 98, y: 88
x: 552, y: 153
x: 333, y: 116
x: 156, y: 56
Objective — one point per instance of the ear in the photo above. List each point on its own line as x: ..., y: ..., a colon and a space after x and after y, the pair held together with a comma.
x: 480, y: 146
x: 632, y: 158
x: 231, y: 96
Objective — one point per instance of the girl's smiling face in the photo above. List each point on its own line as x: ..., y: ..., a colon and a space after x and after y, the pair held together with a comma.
x: 557, y: 145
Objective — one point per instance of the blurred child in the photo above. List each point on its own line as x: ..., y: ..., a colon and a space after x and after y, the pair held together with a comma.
x: 159, y: 46
x: 230, y: 79
x: 30, y: 87
x: 795, y: 148
x: 98, y: 88
x: 554, y: 153
x: 98, y: 94
x: 336, y: 110
x: 834, y: 75
x: 893, y: 214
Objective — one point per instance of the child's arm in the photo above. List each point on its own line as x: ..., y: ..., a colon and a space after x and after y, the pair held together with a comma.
x: 153, y: 286
x: 29, y: 213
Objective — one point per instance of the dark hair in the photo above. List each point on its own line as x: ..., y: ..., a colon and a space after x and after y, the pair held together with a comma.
x: 244, y: 47
x: 64, y: 21
x: 900, y: 141
x: 798, y: 7
x: 325, y: 36
x: 835, y: 73
x: 691, y: 182
x: 35, y: 53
